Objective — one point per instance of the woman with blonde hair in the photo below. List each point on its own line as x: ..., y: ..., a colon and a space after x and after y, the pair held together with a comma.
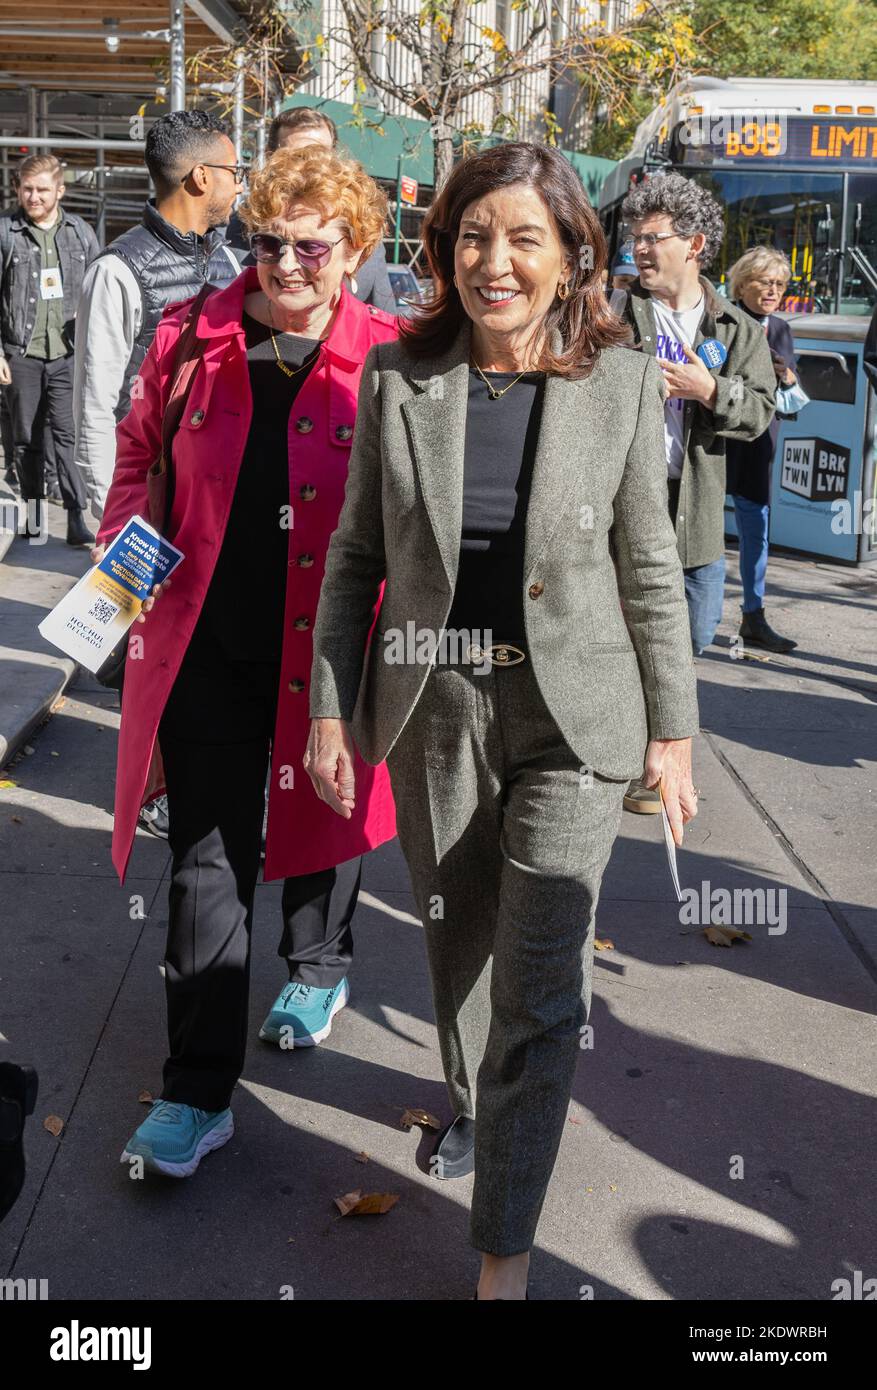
x: 259, y: 467
x: 757, y: 284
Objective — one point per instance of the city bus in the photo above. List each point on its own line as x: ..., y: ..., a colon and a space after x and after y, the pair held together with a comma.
x: 794, y: 165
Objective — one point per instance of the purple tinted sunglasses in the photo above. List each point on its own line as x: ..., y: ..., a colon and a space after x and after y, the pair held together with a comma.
x: 268, y: 249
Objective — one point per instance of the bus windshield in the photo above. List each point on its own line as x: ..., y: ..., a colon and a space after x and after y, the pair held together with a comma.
x: 801, y: 214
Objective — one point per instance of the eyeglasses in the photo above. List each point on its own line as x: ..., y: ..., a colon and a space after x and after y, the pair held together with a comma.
x: 771, y: 284
x: 650, y: 239
x: 268, y: 249
x: 240, y: 171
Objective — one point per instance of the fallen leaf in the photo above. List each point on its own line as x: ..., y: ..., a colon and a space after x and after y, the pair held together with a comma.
x: 6, y: 783
x: 16, y: 820
x: 372, y: 1204
x: 603, y: 944
x: 419, y: 1117
x: 146, y: 1097
x: 361, y: 1158
x: 54, y: 1124
x: 725, y: 936
x: 572, y: 1120
x: 612, y: 1187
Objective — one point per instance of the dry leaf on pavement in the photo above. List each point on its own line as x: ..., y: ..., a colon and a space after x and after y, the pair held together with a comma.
x: 419, y: 1117
x: 54, y: 1124
x: 725, y: 936
x: 372, y: 1204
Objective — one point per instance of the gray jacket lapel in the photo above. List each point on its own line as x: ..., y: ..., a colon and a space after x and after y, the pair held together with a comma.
x: 575, y: 416
x: 437, y: 421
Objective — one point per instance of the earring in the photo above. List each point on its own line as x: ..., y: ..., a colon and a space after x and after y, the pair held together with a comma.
x: 562, y: 290
x: 353, y: 285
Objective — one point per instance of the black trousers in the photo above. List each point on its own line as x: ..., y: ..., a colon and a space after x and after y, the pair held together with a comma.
x: 42, y: 395
x: 215, y: 739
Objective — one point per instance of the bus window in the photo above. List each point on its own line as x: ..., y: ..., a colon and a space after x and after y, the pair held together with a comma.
x: 859, y: 293
x: 828, y: 376
x: 798, y: 213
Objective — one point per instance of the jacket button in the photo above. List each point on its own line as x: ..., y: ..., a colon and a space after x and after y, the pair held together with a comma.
x: 307, y: 492
x: 535, y: 590
x: 296, y: 686
x: 302, y: 624
x: 196, y: 417
x: 305, y: 561
x: 304, y: 425
x: 344, y: 432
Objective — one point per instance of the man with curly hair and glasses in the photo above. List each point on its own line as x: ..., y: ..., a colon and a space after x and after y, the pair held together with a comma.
x: 719, y: 380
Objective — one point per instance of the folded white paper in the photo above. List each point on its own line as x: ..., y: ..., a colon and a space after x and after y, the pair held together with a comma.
x: 670, y: 845
x: 93, y: 617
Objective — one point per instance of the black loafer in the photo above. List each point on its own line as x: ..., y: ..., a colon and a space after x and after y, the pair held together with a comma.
x: 454, y: 1152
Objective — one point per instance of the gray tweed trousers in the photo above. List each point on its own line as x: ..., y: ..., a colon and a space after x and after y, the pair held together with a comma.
x: 506, y: 838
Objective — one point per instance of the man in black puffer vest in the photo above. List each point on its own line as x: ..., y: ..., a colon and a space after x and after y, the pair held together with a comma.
x: 167, y: 258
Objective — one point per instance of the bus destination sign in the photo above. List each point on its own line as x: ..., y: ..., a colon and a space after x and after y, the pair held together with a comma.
x: 818, y: 140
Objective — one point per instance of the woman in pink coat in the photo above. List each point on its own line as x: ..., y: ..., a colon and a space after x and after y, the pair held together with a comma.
x: 217, y: 687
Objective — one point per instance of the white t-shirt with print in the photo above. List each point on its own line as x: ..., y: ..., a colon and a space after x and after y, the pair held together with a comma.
x: 675, y: 327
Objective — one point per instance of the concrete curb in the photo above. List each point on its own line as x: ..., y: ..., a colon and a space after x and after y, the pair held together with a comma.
x: 33, y: 674
x: 18, y: 721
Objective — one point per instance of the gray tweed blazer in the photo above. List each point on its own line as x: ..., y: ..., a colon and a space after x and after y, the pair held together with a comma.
x: 605, y: 612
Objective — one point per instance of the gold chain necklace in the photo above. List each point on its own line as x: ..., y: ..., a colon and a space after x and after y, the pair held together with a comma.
x: 493, y: 392
x: 287, y: 371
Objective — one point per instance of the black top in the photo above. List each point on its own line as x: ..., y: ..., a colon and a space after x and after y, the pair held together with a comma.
x: 244, y: 605
x: 749, y: 463
x: 500, y: 449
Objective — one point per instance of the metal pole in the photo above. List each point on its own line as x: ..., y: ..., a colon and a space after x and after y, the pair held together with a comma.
x: 842, y: 250
x: 238, y: 116
x: 32, y: 98
x: 263, y: 118
x: 178, y: 56
x: 64, y: 142
x: 100, y: 189
x: 4, y: 177
x: 398, y: 209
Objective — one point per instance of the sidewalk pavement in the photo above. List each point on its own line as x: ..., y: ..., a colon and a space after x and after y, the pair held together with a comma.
x: 33, y: 577
x: 720, y: 1134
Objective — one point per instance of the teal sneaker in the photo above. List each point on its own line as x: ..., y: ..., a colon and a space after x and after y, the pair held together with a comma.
x: 174, y: 1138
x: 301, y: 1015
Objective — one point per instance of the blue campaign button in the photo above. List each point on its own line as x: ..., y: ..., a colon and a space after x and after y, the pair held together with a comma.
x: 712, y: 353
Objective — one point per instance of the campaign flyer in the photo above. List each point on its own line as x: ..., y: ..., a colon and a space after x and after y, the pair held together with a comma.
x: 94, y: 616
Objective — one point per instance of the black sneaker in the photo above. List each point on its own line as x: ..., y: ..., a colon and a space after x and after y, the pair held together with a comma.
x: 154, y: 818
x: 757, y: 632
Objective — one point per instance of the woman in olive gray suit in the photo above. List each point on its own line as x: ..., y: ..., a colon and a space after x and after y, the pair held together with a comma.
x: 531, y: 655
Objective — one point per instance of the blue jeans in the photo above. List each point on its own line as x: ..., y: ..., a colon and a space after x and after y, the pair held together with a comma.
x: 704, y: 590
x: 752, y: 523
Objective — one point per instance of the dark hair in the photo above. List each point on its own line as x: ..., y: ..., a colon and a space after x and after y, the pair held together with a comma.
x: 584, y: 318
x: 690, y: 208
x: 178, y: 141
x: 299, y: 118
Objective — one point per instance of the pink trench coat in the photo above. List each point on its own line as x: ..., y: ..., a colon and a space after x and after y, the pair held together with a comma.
x: 304, y: 835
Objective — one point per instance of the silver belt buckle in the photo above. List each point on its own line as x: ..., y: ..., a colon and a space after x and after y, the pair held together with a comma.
x: 498, y: 654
